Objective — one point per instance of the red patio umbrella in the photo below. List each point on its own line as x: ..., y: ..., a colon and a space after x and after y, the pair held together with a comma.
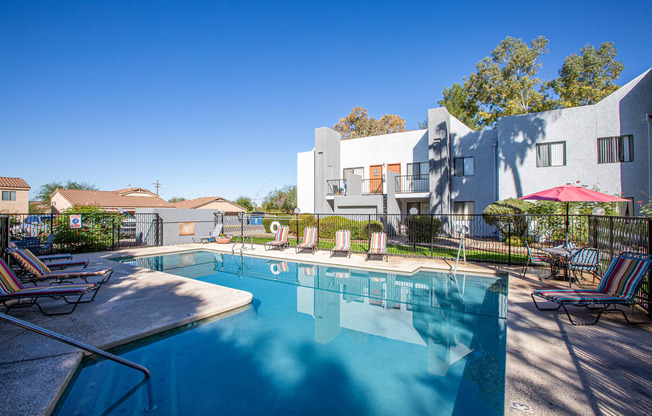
x: 571, y: 193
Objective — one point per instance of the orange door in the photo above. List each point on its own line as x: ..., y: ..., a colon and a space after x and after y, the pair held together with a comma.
x: 376, y: 179
x: 395, y: 167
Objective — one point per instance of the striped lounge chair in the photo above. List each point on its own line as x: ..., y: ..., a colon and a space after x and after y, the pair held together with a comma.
x: 342, y: 242
x: 618, y: 286
x: 281, y: 240
x: 36, y: 271
x: 47, y: 257
x: 309, y: 240
x: 378, y: 245
x: 51, y: 265
x: 535, y: 260
x: 14, y: 295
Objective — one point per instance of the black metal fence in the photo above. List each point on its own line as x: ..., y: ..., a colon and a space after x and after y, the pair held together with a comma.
x: 83, y: 232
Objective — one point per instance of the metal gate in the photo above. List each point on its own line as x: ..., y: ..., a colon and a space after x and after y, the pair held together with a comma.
x: 139, y: 230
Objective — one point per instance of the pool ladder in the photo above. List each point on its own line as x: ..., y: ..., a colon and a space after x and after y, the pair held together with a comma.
x: 42, y: 331
x: 241, y: 239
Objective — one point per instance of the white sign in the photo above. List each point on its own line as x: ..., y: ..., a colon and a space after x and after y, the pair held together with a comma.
x: 75, y: 221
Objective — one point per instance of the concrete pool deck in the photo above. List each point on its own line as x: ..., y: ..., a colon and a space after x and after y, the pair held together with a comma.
x: 552, y: 367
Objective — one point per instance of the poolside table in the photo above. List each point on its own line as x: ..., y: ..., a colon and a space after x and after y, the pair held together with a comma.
x: 560, y: 256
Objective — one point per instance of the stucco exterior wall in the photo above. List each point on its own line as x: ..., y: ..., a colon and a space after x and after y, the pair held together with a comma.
x: 59, y: 202
x: 202, y: 218
x: 20, y: 205
x: 327, y: 165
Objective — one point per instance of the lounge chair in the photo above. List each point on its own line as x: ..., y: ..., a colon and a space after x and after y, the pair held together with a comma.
x: 309, y: 240
x: 51, y: 265
x: 378, y: 245
x: 281, y: 238
x: 535, y: 260
x: 207, y: 238
x: 582, y: 260
x: 14, y: 295
x: 342, y: 242
x: 618, y: 286
x: 36, y: 271
x: 47, y: 257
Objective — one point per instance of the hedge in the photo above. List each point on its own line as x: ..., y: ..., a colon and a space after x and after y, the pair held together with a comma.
x: 327, y: 225
x: 418, y: 228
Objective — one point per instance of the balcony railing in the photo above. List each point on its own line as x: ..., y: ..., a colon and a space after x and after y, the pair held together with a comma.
x: 336, y: 187
x: 372, y: 186
x: 408, y: 184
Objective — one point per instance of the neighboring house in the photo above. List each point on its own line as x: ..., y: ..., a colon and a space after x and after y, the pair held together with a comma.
x: 211, y: 202
x: 122, y: 200
x: 14, y: 195
x: 449, y: 168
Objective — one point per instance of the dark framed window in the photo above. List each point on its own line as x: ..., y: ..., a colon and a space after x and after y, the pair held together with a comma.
x: 464, y: 166
x: 551, y: 154
x: 464, y: 210
x: 8, y: 195
x: 417, y: 169
x: 616, y: 149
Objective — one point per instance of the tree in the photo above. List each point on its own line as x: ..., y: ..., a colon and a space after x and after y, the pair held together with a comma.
x: 589, y: 76
x: 245, y: 202
x: 505, y: 83
x: 46, y: 190
x: 283, y: 200
x: 359, y: 124
x: 176, y: 199
x: 458, y: 102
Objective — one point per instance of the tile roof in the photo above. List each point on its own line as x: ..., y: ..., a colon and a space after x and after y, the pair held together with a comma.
x: 111, y: 199
x: 199, y: 202
x: 17, y: 183
x: 130, y: 190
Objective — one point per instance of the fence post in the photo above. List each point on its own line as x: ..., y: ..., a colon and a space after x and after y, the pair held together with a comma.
x: 509, y: 242
x: 317, y: 231
x: 297, y: 216
x: 611, y: 237
x: 51, y: 223
x: 414, y: 234
x: 649, y: 275
x: 112, y: 234
x: 369, y: 230
x: 157, y: 224
x: 432, y: 235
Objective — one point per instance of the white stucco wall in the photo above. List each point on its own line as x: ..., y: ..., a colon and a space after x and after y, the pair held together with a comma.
x: 306, y: 181
x: 403, y: 148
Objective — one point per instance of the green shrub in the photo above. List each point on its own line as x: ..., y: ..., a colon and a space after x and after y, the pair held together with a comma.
x: 305, y: 220
x: 418, y: 228
x: 502, y: 213
x: 96, y: 231
x: 359, y: 229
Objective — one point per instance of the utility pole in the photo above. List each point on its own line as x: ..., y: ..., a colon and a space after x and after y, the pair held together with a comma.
x: 157, y: 184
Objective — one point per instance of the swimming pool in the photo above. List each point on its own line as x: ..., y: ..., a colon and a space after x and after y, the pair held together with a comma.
x: 316, y: 340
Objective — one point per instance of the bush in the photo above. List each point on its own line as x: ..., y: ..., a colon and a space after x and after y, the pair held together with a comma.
x: 418, y: 228
x: 502, y: 213
x: 305, y: 220
x: 359, y: 229
x: 96, y: 231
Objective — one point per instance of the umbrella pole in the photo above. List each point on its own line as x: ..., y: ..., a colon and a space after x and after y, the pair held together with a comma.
x: 566, y: 222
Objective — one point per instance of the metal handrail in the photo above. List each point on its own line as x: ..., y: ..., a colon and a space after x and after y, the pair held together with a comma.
x: 42, y: 331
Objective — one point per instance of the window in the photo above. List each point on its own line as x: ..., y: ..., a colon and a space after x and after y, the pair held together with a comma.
x: 616, y: 149
x: 463, y: 166
x: 8, y: 195
x: 551, y: 154
x: 417, y: 169
x: 356, y: 171
x: 422, y: 207
x: 464, y: 210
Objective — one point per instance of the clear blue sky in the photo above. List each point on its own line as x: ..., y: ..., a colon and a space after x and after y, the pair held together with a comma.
x: 216, y: 98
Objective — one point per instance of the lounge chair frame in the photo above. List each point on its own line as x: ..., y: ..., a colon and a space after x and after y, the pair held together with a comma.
x: 381, y: 250
x: 606, y: 301
x: 277, y: 242
x: 309, y: 240
x: 346, y: 245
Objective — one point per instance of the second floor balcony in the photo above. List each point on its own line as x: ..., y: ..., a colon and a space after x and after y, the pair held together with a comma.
x: 411, y: 184
x: 367, y: 187
x: 406, y: 184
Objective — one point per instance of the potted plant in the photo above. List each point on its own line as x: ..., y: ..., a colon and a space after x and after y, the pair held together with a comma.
x: 223, y: 239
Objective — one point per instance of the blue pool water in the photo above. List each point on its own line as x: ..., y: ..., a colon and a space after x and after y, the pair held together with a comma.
x: 317, y: 340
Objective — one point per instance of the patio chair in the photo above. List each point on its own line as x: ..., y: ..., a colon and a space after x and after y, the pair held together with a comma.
x: 342, y: 242
x: 35, y: 270
x: 618, y: 286
x: 14, y: 295
x: 584, y: 259
x: 51, y: 265
x: 309, y: 240
x: 535, y: 259
x: 47, y: 257
x: 207, y: 238
x: 281, y: 239
x: 378, y: 246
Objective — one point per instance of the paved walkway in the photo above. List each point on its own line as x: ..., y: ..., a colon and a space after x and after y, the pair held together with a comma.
x: 552, y: 367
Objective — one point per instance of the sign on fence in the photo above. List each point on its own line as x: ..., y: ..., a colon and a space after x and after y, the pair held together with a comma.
x: 75, y: 221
